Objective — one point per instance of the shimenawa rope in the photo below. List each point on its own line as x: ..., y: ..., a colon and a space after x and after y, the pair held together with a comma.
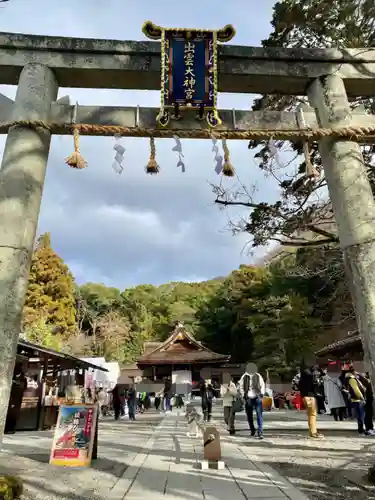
x: 76, y: 160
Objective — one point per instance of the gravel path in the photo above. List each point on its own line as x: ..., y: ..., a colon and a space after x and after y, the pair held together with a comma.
x: 334, y: 467
x: 27, y: 454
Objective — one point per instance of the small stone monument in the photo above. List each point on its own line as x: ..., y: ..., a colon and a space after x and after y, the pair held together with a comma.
x: 212, y: 449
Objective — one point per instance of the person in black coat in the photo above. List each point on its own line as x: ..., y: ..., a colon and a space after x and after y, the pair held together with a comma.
x: 319, y: 389
x: 132, y: 403
x: 345, y: 393
x: 207, y: 396
x: 369, y: 412
x: 116, y: 401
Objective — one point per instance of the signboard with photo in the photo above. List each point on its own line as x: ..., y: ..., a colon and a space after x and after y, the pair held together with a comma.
x: 74, y: 437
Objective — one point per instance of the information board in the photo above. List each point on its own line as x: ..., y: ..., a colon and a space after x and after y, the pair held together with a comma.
x: 74, y: 435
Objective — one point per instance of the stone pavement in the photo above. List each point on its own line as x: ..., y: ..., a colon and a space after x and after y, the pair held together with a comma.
x: 167, y: 468
x: 149, y: 459
x: 27, y: 454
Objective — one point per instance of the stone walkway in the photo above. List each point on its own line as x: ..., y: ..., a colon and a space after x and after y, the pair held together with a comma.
x: 167, y: 468
x: 27, y: 454
x: 149, y: 459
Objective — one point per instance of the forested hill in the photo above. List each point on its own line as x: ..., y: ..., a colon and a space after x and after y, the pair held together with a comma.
x: 273, y: 314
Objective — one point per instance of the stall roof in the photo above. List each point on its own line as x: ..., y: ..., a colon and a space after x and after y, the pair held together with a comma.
x: 35, y: 349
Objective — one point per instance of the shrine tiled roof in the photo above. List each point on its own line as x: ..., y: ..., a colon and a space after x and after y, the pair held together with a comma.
x: 180, y: 347
x: 353, y: 341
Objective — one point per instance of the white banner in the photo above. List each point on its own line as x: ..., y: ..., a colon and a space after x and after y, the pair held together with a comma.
x: 181, y: 381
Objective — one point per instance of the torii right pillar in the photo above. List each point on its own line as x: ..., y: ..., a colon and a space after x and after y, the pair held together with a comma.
x: 353, y: 204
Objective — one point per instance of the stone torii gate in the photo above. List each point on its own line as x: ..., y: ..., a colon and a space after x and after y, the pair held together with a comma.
x: 40, y: 65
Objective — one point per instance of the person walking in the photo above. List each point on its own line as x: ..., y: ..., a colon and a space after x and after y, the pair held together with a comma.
x: 308, y: 395
x: 333, y: 396
x: 157, y: 401
x: 319, y: 389
x: 345, y: 392
x: 132, y: 403
x: 228, y: 391
x: 369, y: 405
x: 167, y: 396
x: 101, y: 398
x: 207, y: 396
x: 357, y: 394
x: 252, y: 389
x: 116, y: 401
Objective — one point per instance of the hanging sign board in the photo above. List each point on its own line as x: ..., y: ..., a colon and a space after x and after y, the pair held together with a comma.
x: 75, y: 431
x: 189, y: 71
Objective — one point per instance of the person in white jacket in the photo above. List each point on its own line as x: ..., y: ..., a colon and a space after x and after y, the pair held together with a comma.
x: 228, y: 391
x: 333, y: 396
x: 252, y: 389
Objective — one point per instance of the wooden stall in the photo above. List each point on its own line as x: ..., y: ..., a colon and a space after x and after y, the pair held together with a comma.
x: 38, y: 385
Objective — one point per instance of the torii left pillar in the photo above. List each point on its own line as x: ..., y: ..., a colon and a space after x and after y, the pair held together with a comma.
x: 22, y: 176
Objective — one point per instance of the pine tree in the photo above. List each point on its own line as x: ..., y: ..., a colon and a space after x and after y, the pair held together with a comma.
x: 50, y: 294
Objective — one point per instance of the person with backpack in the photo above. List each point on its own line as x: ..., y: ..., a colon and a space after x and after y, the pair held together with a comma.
x: 357, y: 394
x: 252, y: 389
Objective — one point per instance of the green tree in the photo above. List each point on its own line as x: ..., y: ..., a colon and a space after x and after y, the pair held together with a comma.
x: 41, y: 333
x: 302, y: 215
x: 284, y: 332
x: 98, y: 297
x: 50, y: 295
x: 224, y: 318
x: 258, y: 315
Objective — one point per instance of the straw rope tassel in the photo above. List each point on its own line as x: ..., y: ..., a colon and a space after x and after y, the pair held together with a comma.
x: 228, y: 169
x: 152, y: 167
x: 76, y: 160
x: 311, y: 171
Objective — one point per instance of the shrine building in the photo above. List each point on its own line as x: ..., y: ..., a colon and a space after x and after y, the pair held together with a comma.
x: 180, y: 353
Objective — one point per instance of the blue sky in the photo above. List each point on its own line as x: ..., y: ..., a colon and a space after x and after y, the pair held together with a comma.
x: 133, y: 228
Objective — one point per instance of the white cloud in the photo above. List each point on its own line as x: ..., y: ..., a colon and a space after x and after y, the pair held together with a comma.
x: 134, y: 228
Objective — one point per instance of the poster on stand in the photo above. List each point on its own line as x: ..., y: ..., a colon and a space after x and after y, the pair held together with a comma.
x: 74, y: 435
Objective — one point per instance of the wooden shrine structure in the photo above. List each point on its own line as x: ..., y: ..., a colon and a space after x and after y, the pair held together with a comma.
x: 349, y: 348
x: 181, y: 351
x: 39, y: 65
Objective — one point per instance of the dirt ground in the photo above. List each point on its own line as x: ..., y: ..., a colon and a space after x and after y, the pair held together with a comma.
x: 334, y: 467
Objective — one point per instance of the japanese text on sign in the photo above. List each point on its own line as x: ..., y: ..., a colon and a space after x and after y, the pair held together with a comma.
x: 88, y: 424
x: 75, y: 426
x: 189, y: 76
x: 211, y: 70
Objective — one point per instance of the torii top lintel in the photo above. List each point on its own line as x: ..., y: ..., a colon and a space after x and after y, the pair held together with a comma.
x: 118, y: 64
x: 155, y: 32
